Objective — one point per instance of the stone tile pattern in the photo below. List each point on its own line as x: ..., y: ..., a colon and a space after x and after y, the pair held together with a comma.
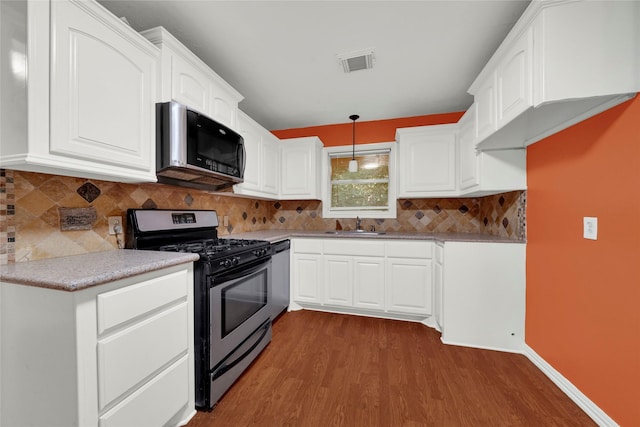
x: 7, y: 218
x: 29, y: 218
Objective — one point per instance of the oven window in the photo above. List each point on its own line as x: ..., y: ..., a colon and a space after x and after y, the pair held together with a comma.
x: 242, y: 300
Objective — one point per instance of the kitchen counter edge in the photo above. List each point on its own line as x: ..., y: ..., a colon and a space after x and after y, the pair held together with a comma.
x: 277, y: 235
x: 76, y: 272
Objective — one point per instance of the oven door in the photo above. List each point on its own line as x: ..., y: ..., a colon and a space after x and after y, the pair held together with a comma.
x: 240, y: 304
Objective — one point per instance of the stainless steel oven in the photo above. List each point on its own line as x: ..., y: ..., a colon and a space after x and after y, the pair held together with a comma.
x: 232, y: 292
x: 240, y: 324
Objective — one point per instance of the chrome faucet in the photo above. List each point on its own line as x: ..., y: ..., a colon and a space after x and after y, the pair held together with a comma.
x: 358, y: 223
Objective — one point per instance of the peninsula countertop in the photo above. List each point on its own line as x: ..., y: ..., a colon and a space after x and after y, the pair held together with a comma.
x: 76, y: 272
x: 277, y: 235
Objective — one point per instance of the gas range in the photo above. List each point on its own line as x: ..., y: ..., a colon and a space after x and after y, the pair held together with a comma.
x: 231, y: 292
x: 223, y: 253
x: 191, y: 231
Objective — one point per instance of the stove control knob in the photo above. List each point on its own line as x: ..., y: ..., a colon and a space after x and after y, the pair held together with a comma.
x: 235, y: 261
x: 227, y: 263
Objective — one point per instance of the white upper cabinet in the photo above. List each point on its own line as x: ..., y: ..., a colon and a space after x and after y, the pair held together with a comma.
x: 468, y: 163
x: 262, y: 168
x: 300, y: 172
x: 513, y: 81
x: 427, y: 161
x: 189, y: 81
x: 487, y: 172
x: 485, y: 108
x: 563, y: 62
x: 92, y: 88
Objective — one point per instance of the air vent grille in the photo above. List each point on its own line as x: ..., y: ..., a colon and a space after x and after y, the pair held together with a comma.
x: 354, y: 61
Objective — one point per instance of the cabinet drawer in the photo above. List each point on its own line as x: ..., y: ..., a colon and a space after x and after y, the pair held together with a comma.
x: 439, y: 253
x: 128, y: 357
x: 122, y: 305
x: 156, y: 402
x: 353, y: 247
x: 421, y: 249
x: 307, y: 246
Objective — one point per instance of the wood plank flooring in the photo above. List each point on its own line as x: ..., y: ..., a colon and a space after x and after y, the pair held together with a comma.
x: 325, y: 369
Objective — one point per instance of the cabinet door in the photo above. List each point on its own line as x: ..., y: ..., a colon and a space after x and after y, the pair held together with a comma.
x: 189, y: 85
x: 103, y: 89
x: 514, y: 81
x: 469, y: 165
x: 368, y: 283
x: 253, y: 148
x: 224, y: 107
x: 427, y: 162
x: 307, y: 278
x: 298, y: 171
x: 485, y: 105
x: 270, y: 164
x: 338, y: 280
x: 409, y: 286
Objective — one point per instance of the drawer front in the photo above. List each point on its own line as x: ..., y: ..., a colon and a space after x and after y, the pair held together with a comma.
x: 307, y: 246
x: 122, y: 305
x: 420, y: 249
x: 156, y: 402
x: 128, y: 357
x: 356, y: 247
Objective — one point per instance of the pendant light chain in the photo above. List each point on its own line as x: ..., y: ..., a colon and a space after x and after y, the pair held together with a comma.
x: 354, y: 117
x: 353, y: 165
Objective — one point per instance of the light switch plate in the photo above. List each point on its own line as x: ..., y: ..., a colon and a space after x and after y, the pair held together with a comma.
x: 590, y: 228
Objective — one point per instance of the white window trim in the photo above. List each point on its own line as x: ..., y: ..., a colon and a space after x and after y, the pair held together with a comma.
x: 362, y: 213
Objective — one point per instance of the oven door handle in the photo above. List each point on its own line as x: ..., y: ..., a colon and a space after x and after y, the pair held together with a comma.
x: 224, y: 367
x: 244, y: 271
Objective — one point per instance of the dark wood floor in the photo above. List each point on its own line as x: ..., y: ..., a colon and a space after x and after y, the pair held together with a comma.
x: 326, y: 369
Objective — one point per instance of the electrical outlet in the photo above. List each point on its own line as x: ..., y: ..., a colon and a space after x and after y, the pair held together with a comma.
x: 225, y: 221
x: 590, y: 230
x: 115, y: 221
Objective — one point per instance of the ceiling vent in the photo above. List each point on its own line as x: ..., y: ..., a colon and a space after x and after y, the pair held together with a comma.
x: 354, y: 61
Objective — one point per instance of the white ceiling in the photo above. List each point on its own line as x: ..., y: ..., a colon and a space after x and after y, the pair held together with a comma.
x: 282, y: 55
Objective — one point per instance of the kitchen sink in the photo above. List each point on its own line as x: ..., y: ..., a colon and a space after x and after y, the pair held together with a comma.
x: 356, y: 232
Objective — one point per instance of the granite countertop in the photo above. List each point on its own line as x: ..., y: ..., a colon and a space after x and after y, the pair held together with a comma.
x: 276, y: 235
x: 76, y: 272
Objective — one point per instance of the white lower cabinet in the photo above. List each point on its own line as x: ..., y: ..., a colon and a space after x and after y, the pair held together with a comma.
x: 338, y: 280
x: 368, y: 283
x: 118, y: 354
x: 374, y: 276
x: 306, y: 270
x: 412, y: 286
x: 483, y: 295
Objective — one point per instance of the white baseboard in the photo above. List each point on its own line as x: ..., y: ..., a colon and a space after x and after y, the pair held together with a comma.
x: 590, y: 408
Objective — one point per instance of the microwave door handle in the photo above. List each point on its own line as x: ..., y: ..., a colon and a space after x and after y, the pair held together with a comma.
x: 244, y: 157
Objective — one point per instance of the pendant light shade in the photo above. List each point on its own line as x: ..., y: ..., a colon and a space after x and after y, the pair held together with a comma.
x: 353, y: 163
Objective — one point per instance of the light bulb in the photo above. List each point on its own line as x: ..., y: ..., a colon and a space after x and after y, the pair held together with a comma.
x: 353, y: 165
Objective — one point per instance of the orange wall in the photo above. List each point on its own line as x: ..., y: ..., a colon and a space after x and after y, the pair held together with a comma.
x: 366, y: 132
x: 583, y: 296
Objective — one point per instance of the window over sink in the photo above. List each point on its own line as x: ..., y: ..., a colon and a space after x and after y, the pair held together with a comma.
x: 368, y: 192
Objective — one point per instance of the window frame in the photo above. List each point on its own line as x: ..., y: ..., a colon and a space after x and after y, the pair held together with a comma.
x: 389, y: 212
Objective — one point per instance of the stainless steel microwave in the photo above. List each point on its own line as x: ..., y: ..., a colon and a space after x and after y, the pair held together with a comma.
x: 195, y: 151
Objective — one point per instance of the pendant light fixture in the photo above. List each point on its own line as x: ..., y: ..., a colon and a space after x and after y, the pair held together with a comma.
x: 353, y: 163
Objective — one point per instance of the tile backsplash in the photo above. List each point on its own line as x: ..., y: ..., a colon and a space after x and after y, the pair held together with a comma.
x: 30, y: 217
